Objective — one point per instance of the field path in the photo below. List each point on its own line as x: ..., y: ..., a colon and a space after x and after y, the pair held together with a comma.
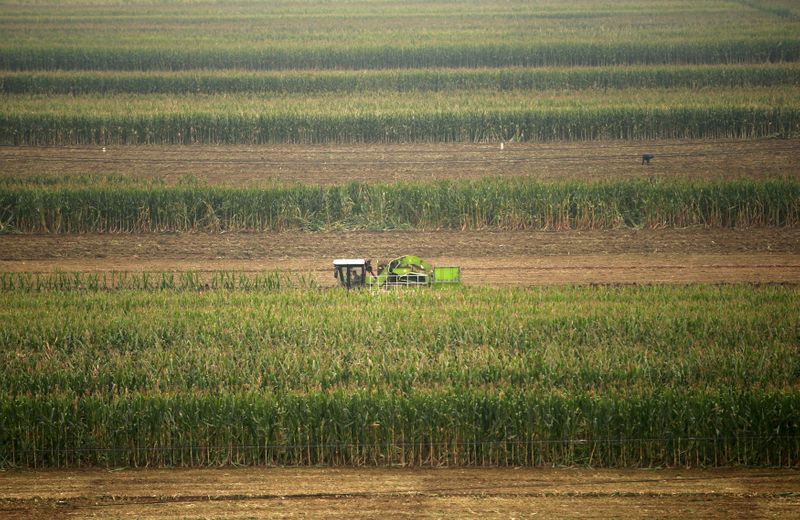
x: 338, y: 164
x: 487, y: 257
x: 401, y: 493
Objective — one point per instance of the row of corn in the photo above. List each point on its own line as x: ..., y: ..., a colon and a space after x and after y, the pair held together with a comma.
x: 605, y: 376
x: 519, y: 203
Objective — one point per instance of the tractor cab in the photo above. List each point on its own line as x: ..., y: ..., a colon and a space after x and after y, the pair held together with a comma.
x: 352, y: 272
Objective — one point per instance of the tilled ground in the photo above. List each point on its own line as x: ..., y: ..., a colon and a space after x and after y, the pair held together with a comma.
x: 487, y: 258
x: 337, y: 164
x: 401, y: 492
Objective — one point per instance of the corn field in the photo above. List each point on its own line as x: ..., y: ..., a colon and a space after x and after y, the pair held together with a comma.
x: 350, y: 72
x: 535, y: 125
x: 503, y: 204
x: 166, y: 369
x: 398, y: 117
x: 401, y: 80
x: 546, y: 54
x: 605, y: 376
x: 153, y: 281
x: 146, y: 35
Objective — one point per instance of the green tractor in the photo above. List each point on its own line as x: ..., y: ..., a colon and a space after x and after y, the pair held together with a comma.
x: 406, y: 271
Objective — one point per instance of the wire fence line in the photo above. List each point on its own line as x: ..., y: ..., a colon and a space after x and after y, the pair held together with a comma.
x: 354, y: 445
x: 697, y: 451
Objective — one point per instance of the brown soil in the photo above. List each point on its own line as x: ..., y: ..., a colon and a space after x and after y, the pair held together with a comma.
x: 487, y: 258
x: 401, y: 492
x: 255, y: 165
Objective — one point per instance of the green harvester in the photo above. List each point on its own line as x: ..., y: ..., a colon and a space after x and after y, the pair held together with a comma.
x: 405, y: 271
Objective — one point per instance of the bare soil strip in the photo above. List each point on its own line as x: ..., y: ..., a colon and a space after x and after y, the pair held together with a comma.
x: 487, y: 258
x: 509, y: 271
x: 400, y: 492
x: 337, y: 164
x: 479, y: 244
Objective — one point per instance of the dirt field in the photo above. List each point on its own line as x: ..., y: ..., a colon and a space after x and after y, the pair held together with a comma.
x: 401, y: 492
x: 256, y: 165
x: 487, y: 258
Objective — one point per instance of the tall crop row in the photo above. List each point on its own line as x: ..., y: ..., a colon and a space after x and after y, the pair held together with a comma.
x: 210, y: 82
x: 726, y: 51
x: 599, y: 376
x: 569, y: 124
x: 708, y: 428
x: 316, y: 34
x: 113, y: 343
x: 152, y: 281
x: 504, y: 204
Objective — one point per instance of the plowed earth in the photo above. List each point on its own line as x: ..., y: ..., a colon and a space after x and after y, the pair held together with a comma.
x: 487, y: 258
x: 336, y: 164
x: 400, y: 493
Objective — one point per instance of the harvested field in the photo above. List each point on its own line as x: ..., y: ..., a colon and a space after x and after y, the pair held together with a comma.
x: 488, y: 258
x: 367, y: 493
x: 269, y: 164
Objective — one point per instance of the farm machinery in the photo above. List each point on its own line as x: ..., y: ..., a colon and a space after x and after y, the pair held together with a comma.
x: 405, y: 271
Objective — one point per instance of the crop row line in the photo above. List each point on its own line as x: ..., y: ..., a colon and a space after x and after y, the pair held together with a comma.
x: 410, y: 80
x: 517, y: 203
x: 401, y: 444
x: 725, y: 51
x: 538, y: 125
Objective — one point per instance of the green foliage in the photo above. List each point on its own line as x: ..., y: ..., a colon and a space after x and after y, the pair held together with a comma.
x: 579, y: 375
x: 505, y: 204
x: 153, y: 281
x: 319, y: 72
x: 147, y: 35
x: 403, y: 80
x: 546, y: 54
x: 573, y: 78
x: 186, y: 369
x: 383, y: 116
